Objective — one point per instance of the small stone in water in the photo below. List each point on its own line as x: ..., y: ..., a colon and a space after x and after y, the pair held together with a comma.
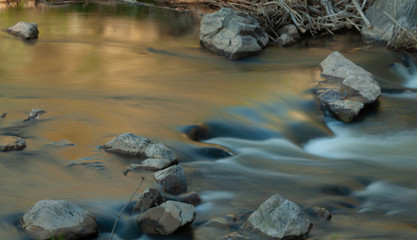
x: 3, y: 115
x: 8, y: 143
x: 35, y: 114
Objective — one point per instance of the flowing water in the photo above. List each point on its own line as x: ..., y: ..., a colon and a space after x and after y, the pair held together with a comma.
x: 104, y: 69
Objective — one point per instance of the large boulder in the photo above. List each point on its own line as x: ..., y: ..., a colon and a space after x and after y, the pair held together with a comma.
x: 137, y: 146
x: 56, y: 219
x: 24, y: 30
x: 278, y: 218
x: 10, y: 143
x: 232, y: 33
x: 172, y: 179
x: 347, y: 89
x: 167, y: 218
x: 390, y: 29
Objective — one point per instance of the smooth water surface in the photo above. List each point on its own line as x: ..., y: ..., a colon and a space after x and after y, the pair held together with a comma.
x: 102, y: 70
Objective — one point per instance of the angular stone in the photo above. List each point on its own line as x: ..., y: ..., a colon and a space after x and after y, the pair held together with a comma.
x: 278, y: 218
x: 167, y: 218
x: 153, y: 164
x: 24, y: 30
x: 58, y: 219
x: 348, y: 88
x: 137, y: 146
x: 192, y: 198
x: 172, y: 179
x: 232, y: 33
x: 150, y: 198
x: 9, y: 143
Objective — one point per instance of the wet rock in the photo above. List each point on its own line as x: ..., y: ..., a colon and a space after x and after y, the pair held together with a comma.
x: 233, y: 34
x: 319, y: 212
x: 288, y: 35
x: 58, y: 219
x: 279, y: 218
x: 192, y: 198
x: 213, y: 153
x: 3, y: 115
x: 218, y: 223
x: 9, y: 143
x: 24, y: 30
x: 197, y: 132
x: 348, y: 88
x: 153, y: 164
x: 35, y: 114
x: 172, y: 179
x: 384, y: 29
x: 167, y: 218
x: 150, y: 198
x: 234, y: 236
x: 134, y: 145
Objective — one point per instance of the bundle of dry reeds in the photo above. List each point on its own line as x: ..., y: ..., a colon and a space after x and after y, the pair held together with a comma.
x: 309, y: 16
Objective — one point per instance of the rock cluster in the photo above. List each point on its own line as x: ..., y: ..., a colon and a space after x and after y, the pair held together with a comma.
x: 233, y: 34
x: 347, y: 89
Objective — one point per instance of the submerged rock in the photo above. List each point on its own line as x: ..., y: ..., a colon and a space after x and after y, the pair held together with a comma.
x: 279, y: 218
x: 167, y: 218
x: 348, y: 88
x: 58, y: 219
x: 234, y: 236
x: 400, y: 34
x: 217, y: 223
x: 137, y: 146
x: 150, y: 198
x: 319, y: 212
x: 232, y: 33
x: 24, y: 30
x: 172, y: 179
x: 34, y: 114
x: 9, y: 143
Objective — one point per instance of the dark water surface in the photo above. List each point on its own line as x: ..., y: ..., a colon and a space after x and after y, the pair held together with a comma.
x: 101, y: 70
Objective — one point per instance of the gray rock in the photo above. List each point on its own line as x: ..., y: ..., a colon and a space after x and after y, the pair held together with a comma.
x: 172, y: 179
x: 34, y: 114
x: 234, y: 236
x: 24, y: 30
x: 279, y: 218
x: 150, y: 198
x: 9, y: 143
x: 285, y: 40
x: 167, y: 218
x: 290, y: 30
x: 192, y: 198
x: 3, y: 116
x: 137, y: 146
x: 384, y: 28
x: 288, y: 35
x: 233, y: 34
x: 319, y: 212
x: 153, y: 164
x: 348, y: 88
x: 59, y: 219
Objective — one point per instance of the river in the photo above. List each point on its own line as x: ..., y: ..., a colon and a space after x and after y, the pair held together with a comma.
x: 104, y: 69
